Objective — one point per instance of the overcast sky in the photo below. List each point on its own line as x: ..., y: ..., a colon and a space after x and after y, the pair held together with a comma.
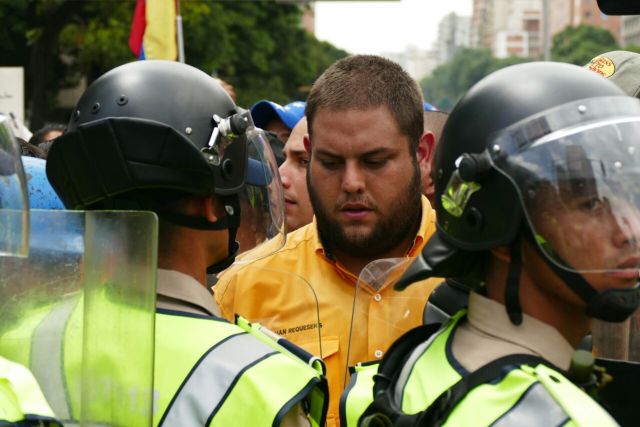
x: 383, y: 26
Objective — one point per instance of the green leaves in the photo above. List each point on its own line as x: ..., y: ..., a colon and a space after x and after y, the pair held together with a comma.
x: 258, y: 47
x: 450, y: 81
x: 577, y: 45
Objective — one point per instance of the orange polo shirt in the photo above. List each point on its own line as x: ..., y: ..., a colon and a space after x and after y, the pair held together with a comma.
x: 301, y: 293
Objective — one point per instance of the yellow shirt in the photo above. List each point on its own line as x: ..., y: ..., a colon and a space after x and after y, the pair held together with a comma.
x: 299, y: 287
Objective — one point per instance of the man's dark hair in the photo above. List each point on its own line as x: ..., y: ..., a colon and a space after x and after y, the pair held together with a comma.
x: 367, y: 81
x: 38, y: 137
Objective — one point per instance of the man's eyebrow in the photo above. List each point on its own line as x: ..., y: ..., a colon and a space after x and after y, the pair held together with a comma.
x: 294, y: 152
x: 327, y: 153
x: 378, y: 151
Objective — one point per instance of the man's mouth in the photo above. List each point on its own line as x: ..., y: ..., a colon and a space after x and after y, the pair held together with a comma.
x: 289, y: 201
x: 629, y: 269
x: 631, y: 263
x: 355, y: 210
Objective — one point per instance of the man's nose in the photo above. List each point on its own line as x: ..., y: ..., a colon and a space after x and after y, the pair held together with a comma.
x: 353, y: 178
x: 284, y: 177
x: 626, y: 222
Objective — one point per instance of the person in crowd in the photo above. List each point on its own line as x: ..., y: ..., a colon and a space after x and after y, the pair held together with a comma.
x: 278, y: 122
x: 621, y: 67
x: 434, y: 121
x: 47, y: 133
x: 293, y: 172
x: 366, y: 144
x: 186, y: 161
x: 539, y: 212
x: 40, y: 142
x: 228, y: 87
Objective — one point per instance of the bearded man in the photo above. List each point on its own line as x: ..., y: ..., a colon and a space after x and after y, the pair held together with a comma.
x: 366, y: 144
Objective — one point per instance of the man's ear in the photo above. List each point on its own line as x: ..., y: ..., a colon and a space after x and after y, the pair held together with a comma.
x: 424, y: 154
x: 209, y: 207
x: 426, y: 147
x: 307, y: 143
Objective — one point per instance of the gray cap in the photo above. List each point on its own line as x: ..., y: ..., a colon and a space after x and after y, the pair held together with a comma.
x: 621, y: 67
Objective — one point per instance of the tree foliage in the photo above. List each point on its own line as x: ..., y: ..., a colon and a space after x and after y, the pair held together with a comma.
x: 451, y: 80
x: 578, y: 45
x: 259, y: 47
x: 575, y: 45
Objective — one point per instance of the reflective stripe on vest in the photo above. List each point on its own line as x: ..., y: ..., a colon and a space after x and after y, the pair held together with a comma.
x: 536, y: 408
x: 210, y: 381
x: 525, y: 395
x: 358, y: 395
x: 47, y: 356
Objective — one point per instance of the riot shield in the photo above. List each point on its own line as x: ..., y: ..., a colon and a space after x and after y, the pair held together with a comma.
x: 292, y: 311
x: 617, y: 349
x: 380, y: 313
x: 14, y: 205
x: 79, y: 312
x: 620, y: 341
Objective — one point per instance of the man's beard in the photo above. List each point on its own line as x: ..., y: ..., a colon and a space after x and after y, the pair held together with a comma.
x: 399, y: 225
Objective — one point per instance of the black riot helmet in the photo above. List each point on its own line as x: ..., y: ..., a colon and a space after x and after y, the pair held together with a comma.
x: 152, y: 131
x: 526, y: 148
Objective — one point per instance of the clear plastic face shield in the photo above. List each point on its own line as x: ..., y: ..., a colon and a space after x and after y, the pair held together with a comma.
x: 14, y: 201
x: 261, y: 198
x: 577, y: 171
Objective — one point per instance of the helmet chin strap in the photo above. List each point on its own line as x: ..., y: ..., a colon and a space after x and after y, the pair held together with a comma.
x: 230, y: 222
x: 612, y: 305
x: 512, y: 290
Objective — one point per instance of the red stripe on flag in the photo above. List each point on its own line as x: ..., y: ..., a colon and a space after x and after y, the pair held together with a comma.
x: 138, y: 25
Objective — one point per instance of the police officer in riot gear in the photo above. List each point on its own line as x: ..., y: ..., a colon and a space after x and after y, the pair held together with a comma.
x: 21, y: 399
x: 538, y: 206
x: 165, y: 137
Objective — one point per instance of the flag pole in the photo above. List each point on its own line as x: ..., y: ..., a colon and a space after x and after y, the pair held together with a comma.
x: 179, y: 33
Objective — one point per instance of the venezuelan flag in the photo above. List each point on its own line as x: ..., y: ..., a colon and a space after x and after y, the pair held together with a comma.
x: 153, y: 30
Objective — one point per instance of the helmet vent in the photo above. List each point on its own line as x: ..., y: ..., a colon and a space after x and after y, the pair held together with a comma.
x: 122, y: 100
x: 473, y: 219
x: 95, y: 108
x: 227, y: 169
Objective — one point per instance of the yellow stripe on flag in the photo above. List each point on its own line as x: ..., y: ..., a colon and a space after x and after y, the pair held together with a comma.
x: 160, y: 33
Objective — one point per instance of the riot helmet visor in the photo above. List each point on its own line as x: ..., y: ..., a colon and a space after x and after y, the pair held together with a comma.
x: 576, y: 169
x: 261, y: 200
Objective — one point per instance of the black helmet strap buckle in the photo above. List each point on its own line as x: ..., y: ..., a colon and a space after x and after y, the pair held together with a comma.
x: 512, y: 289
x: 226, y: 131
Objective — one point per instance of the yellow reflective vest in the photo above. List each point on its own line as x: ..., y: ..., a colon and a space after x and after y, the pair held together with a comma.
x: 21, y: 400
x: 211, y: 372
x: 359, y: 393
x: 522, y: 395
x: 207, y: 371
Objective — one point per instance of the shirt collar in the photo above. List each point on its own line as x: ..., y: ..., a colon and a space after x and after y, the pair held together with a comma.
x: 490, y: 317
x: 182, y: 287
